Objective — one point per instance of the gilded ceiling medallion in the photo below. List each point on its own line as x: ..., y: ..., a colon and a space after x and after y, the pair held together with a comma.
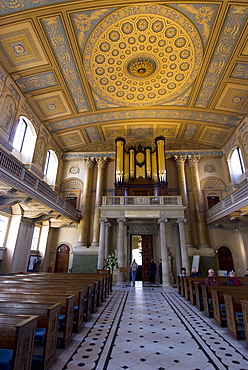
x: 143, y: 55
x: 141, y: 66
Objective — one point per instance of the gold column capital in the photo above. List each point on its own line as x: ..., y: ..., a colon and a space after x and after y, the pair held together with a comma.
x: 193, y: 160
x: 180, y: 159
x: 89, y: 162
x: 101, y: 161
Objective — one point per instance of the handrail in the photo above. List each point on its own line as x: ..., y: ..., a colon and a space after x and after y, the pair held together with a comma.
x: 174, y: 200
x: 239, y: 198
x: 32, y: 186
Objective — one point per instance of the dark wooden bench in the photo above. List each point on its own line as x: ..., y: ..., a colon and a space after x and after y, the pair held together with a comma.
x: 207, y: 295
x: 244, y: 305
x: 234, y: 314
x: 189, y: 287
x: 48, y: 318
x: 17, y: 334
x: 218, y: 302
x: 77, y: 284
x: 66, y: 301
x: 61, y: 287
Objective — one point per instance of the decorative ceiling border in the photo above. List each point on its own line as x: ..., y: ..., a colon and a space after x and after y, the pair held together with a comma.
x: 231, y: 30
x: 145, y: 114
x: 80, y: 156
x: 57, y: 36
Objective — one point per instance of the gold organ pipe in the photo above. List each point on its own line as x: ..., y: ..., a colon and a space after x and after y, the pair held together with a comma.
x: 132, y: 167
x: 161, y: 161
x: 148, y: 163
x: 119, y: 161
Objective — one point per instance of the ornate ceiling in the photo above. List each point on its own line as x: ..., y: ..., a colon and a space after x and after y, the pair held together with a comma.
x: 94, y: 71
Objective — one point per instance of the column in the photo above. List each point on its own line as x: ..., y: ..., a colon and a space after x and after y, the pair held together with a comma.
x: 120, y: 251
x: 86, y: 204
x: 183, y: 245
x: 198, y: 202
x: 177, y: 248
x: 101, y: 165
x: 107, y: 227
x: 180, y: 165
x: 164, y: 254
x: 101, y: 251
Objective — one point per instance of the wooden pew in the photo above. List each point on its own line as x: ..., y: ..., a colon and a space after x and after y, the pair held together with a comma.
x: 244, y: 305
x: 207, y: 296
x: 190, y: 287
x: 62, y: 287
x: 103, y: 281
x: 17, y: 334
x: 66, y: 301
x: 219, y: 309
x: 48, y: 318
x: 77, y: 284
x: 233, y: 305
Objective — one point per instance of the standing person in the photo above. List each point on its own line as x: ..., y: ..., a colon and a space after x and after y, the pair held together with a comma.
x: 133, y: 269
x: 152, y: 271
x: 246, y: 273
x: 160, y: 271
x: 211, y: 279
x: 233, y: 280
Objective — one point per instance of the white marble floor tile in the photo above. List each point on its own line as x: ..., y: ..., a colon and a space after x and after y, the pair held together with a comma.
x: 147, y: 328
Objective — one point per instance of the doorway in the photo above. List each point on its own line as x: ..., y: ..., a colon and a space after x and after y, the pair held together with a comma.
x: 225, y: 259
x: 62, y: 258
x: 142, y: 252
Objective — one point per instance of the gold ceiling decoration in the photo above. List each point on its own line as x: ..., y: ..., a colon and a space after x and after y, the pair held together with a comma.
x: 141, y: 67
x: 143, y: 56
x: 94, y: 71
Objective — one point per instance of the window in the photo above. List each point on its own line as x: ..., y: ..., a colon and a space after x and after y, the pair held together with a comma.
x: 3, y: 228
x: 20, y: 135
x: 35, y: 239
x: 236, y: 165
x: 51, y: 166
x: 24, y: 140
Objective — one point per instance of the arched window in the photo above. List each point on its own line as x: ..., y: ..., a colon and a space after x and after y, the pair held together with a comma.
x: 51, y: 167
x: 236, y: 165
x: 24, y: 140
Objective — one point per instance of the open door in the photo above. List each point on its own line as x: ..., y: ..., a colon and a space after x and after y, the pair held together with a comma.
x: 142, y: 252
x: 147, y: 255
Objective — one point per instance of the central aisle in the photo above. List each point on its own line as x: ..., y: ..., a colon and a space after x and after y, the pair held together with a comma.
x: 145, y: 328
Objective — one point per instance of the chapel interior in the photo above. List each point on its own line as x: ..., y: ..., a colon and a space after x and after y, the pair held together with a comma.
x: 124, y: 135
x: 123, y: 127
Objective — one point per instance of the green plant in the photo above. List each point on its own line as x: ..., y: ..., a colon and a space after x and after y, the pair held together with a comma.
x: 111, y: 262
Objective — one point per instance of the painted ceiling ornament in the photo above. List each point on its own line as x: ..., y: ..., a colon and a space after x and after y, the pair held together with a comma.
x: 202, y: 16
x: 143, y: 55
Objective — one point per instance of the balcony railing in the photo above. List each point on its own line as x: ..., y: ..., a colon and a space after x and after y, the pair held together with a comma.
x: 142, y: 201
x: 15, y: 174
x: 231, y: 203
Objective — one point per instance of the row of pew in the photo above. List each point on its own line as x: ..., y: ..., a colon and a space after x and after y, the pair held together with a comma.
x: 227, y: 305
x: 45, y: 308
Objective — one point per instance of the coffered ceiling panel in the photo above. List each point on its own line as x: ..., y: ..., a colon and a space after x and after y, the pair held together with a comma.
x: 234, y: 98
x: 73, y: 138
x: 20, y: 47
x: 51, y: 105
x: 94, y: 71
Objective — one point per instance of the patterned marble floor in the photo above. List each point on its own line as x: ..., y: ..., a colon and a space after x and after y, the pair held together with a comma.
x: 147, y: 328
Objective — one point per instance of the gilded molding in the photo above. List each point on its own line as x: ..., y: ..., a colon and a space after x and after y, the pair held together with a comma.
x: 61, y: 47
x: 231, y: 30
